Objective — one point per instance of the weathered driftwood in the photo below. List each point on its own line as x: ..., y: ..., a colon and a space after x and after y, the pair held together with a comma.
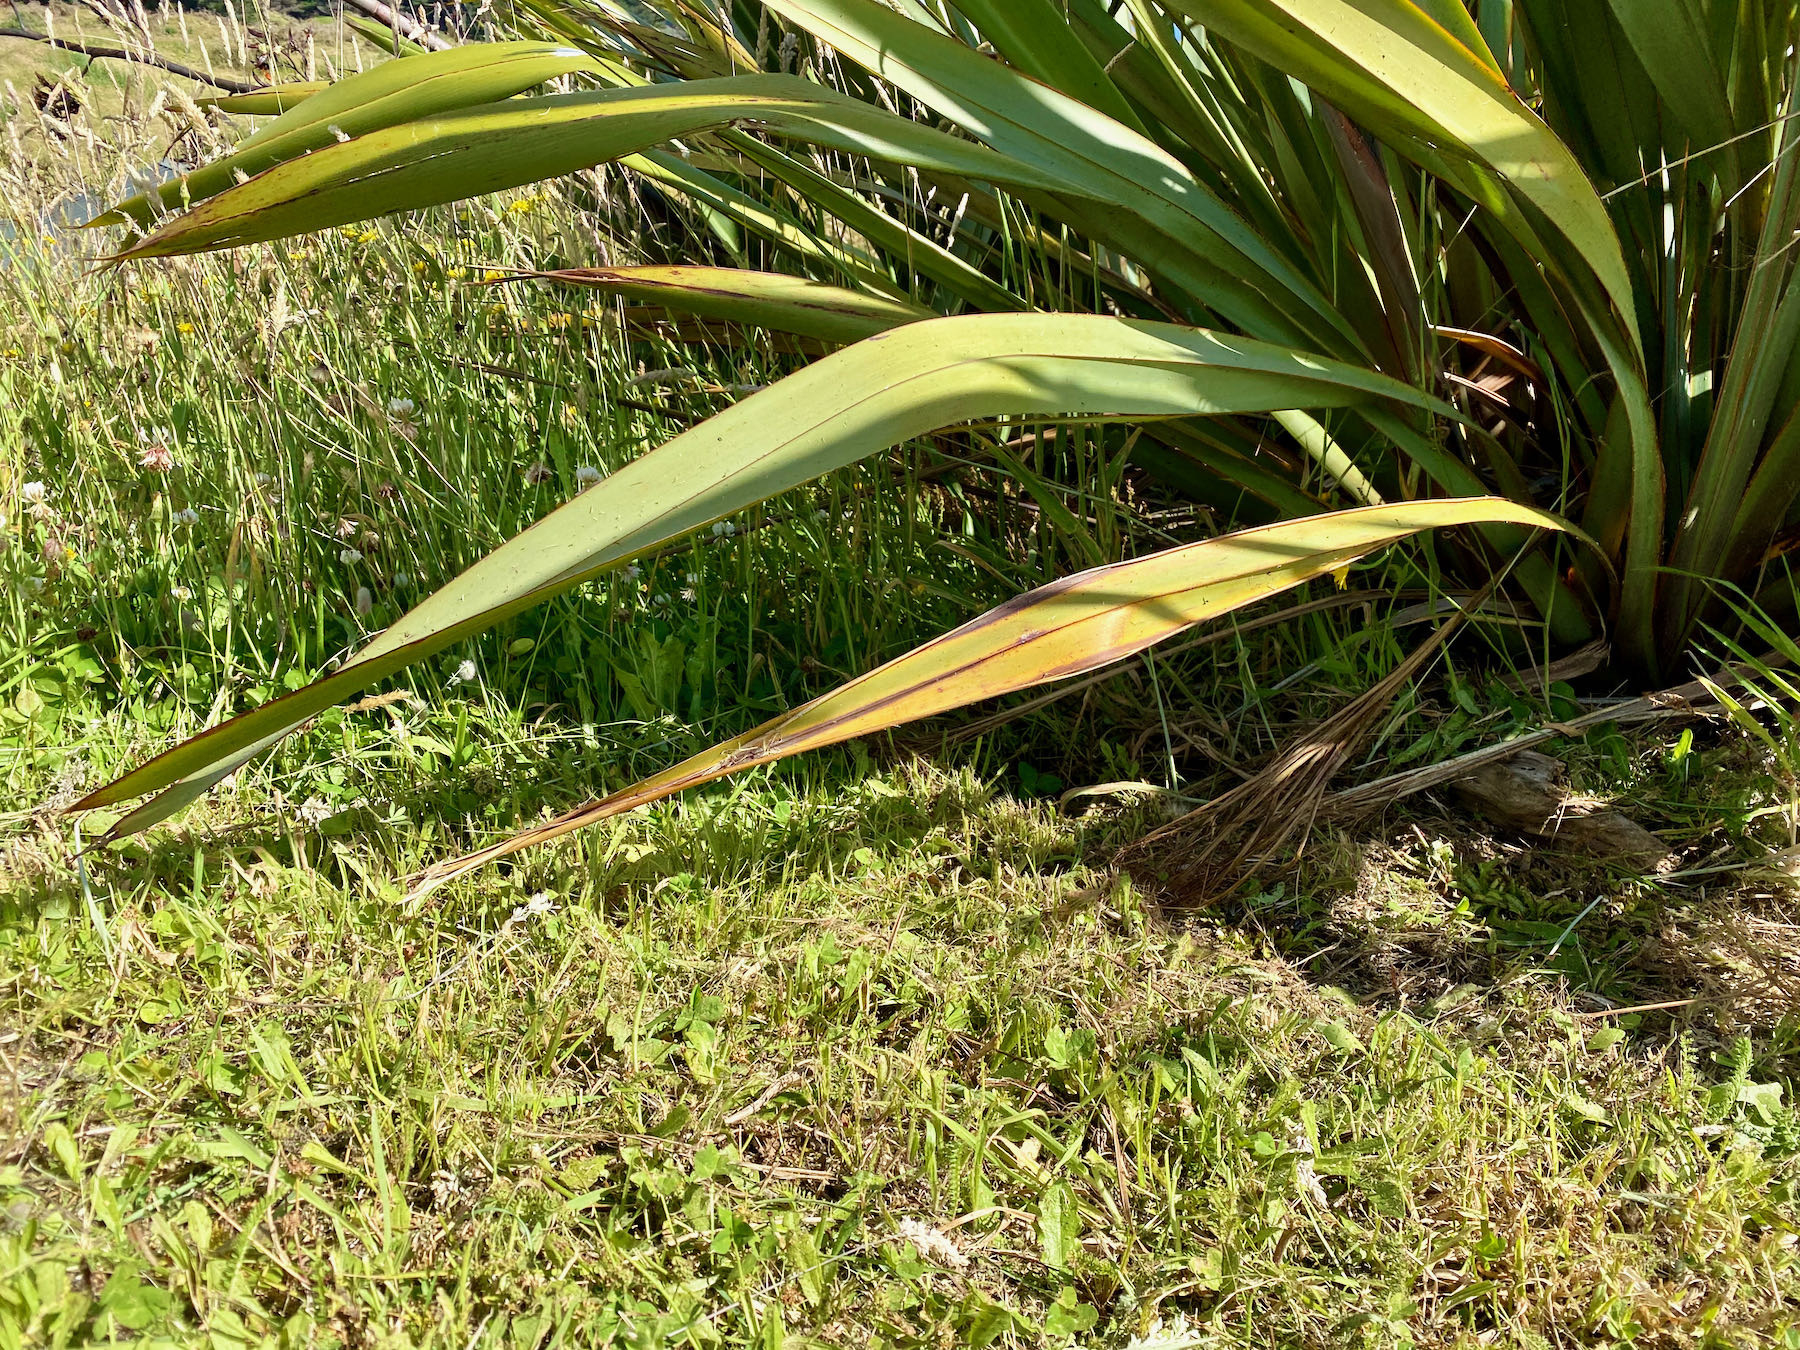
x: 1525, y: 794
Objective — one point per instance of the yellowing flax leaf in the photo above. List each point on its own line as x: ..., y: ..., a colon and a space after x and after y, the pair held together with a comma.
x: 1070, y: 627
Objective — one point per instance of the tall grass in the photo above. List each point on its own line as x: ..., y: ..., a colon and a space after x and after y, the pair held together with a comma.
x: 222, y: 474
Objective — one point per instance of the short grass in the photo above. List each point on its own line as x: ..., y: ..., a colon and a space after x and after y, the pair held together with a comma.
x: 876, y: 1048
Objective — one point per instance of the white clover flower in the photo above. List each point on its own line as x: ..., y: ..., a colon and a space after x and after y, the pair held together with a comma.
x: 688, y: 594
x: 821, y: 514
x: 402, y: 581
x: 633, y: 572
x: 539, y: 472
x: 586, y: 475
x: 465, y: 674
x: 350, y: 555
x: 346, y: 528
x: 186, y: 516
x: 365, y: 601
x: 157, y: 458
x: 313, y: 811
x: 690, y: 578
x: 181, y: 593
x: 34, y: 492
x: 723, y: 529
x: 660, y: 598
x: 401, y: 407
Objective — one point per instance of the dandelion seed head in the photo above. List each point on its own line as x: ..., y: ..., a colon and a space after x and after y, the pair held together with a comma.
x: 365, y: 601
x: 464, y: 674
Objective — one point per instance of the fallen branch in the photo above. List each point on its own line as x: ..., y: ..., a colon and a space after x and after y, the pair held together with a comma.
x: 1686, y: 700
x: 409, y: 29
x: 225, y: 82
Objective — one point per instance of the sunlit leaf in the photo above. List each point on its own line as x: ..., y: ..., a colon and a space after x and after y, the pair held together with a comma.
x: 1075, y: 625
x: 903, y: 383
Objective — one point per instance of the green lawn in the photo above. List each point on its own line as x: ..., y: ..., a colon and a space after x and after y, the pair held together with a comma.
x: 875, y: 1048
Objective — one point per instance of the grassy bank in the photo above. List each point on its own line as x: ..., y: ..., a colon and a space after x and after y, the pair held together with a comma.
x: 878, y: 1047
x: 232, y: 42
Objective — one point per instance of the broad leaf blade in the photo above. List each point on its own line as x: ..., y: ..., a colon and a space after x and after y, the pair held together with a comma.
x: 277, y: 98
x: 758, y: 299
x: 1070, y: 627
x: 1398, y: 72
x: 901, y: 384
x: 484, y: 149
x: 1140, y: 197
x: 390, y: 94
